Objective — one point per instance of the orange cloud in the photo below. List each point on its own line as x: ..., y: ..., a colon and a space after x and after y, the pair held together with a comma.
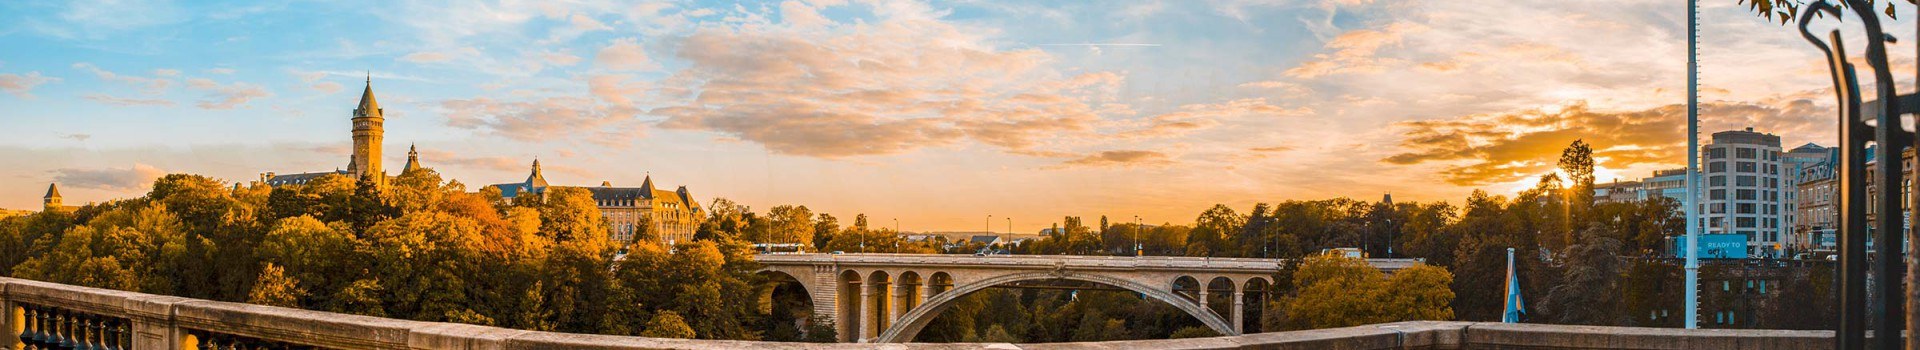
x: 1126, y: 158
x: 1502, y: 147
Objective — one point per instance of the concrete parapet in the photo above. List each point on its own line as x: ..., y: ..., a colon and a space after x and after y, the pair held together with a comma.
x: 164, y: 322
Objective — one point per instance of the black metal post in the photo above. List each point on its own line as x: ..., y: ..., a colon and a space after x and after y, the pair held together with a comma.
x: 1888, y: 265
x: 1853, y: 202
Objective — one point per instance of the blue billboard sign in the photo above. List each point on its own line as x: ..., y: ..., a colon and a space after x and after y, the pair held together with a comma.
x: 1715, y: 246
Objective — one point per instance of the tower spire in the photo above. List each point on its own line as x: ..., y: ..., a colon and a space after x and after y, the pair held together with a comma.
x: 52, y: 200
x: 413, y: 159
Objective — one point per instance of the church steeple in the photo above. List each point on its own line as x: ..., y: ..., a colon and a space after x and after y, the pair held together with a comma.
x: 535, y: 180
x: 52, y: 199
x: 413, y: 160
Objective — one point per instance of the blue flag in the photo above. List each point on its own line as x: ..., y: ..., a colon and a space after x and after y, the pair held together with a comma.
x: 1514, y: 306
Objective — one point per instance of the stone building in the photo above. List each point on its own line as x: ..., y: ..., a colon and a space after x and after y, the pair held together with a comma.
x: 672, y: 216
x: 53, y: 202
x: 369, y: 132
x: 1814, y: 208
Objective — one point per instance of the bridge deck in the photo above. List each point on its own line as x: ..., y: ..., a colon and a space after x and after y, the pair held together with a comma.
x: 1091, y: 262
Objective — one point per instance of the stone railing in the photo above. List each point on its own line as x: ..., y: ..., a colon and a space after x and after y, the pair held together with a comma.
x: 41, y: 315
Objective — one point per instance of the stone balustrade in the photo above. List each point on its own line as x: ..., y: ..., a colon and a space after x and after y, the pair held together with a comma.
x: 41, y: 315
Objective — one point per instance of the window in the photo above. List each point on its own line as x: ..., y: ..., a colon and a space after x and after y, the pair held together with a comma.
x: 1743, y: 222
x: 1717, y: 167
x: 1717, y: 194
x: 1743, y: 153
x: 1716, y: 181
x: 1716, y: 153
x: 1746, y: 167
x: 1744, y: 208
x: 1746, y: 180
x: 1743, y: 194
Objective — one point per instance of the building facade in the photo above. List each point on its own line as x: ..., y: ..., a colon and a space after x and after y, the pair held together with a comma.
x: 1796, y: 164
x: 1742, y: 180
x: 1619, y: 192
x: 672, y: 216
x: 1815, y: 214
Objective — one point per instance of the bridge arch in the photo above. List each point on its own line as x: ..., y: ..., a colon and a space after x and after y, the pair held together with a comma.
x: 910, y: 324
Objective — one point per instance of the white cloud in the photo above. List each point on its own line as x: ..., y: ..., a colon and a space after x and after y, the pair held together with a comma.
x: 21, y: 85
x: 228, y: 96
x: 625, y: 54
x: 151, y: 86
x: 125, y: 102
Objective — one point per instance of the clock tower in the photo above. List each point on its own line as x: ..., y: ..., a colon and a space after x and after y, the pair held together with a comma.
x: 367, y: 135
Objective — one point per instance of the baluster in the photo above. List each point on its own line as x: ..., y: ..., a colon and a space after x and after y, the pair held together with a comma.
x: 61, y: 330
x: 36, y: 319
x: 112, y: 340
x: 76, y: 332
x: 43, y: 321
x: 83, y: 335
x: 31, y: 316
x: 97, y: 332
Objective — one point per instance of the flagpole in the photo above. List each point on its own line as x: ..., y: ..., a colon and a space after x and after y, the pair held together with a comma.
x: 1693, y: 167
x: 1507, y: 310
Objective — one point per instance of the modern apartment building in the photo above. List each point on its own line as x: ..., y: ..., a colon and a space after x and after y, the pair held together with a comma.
x: 1741, y: 177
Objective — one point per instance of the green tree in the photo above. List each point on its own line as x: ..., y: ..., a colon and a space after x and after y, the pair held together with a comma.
x: 1336, y: 291
x: 1577, y: 162
x: 823, y: 230
x: 1589, y: 292
x: 1210, y: 230
x: 667, y: 324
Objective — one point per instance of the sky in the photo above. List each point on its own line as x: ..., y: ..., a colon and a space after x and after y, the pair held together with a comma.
x: 936, y: 114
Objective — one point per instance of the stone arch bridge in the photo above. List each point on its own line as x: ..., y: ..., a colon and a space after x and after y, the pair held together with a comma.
x: 888, y: 298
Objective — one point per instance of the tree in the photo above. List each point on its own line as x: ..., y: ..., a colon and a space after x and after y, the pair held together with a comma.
x: 1787, y: 10
x: 1588, y: 294
x: 319, y: 258
x: 1210, y: 231
x: 789, y: 224
x: 1337, y: 291
x: 1577, y: 162
x: 275, y: 288
x: 823, y: 230
x: 667, y: 324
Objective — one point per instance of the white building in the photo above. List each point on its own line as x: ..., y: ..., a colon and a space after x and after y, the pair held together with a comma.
x: 1744, y: 180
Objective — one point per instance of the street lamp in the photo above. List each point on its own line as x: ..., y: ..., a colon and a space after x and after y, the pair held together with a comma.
x: 1137, y: 247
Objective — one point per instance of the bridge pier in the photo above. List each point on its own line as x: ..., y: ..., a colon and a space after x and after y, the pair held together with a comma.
x: 1239, y: 307
x: 866, y: 314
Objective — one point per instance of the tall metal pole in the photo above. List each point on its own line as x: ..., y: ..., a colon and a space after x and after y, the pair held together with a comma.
x: 1693, y: 165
